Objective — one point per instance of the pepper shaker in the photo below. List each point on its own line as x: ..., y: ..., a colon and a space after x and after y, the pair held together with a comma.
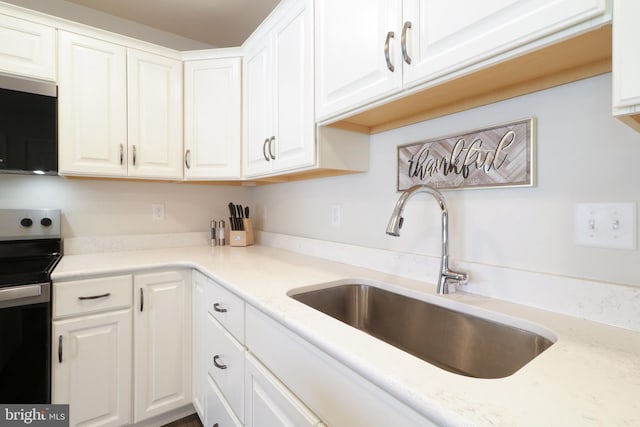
x: 214, y: 233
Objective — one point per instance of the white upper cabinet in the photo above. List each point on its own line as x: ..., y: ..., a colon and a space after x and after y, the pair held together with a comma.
x: 374, y: 49
x: 120, y: 110
x: 279, y: 130
x: 92, y: 106
x: 154, y: 106
x: 27, y: 49
x: 443, y: 37
x: 626, y: 62
x: 212, y: 111
x: 351, y: 65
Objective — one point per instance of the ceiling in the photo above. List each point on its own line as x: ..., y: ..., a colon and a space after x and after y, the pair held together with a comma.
x: 219, y: 23
x: 178, y: 24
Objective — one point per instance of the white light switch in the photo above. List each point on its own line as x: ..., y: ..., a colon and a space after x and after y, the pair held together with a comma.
x: 606, y: 225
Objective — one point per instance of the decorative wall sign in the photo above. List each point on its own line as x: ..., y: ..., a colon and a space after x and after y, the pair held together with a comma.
x: 498, y: 156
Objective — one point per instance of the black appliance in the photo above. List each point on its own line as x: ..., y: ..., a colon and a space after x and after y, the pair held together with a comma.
x: 30, y: 248
x: 28, y: 126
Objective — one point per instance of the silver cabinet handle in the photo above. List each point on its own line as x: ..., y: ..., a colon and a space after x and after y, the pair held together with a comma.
x: 264, y: 149
x: 217, y: 364
x: 218, y: 308
x: 134, y: 155
x: 403, y: 42
x: 94, y: 296
x: 141, y: 299
x: 271, y: 141
x: 187, y: 159
x: 121, y: 154
x: 59, y: 348
x: 390, y: 66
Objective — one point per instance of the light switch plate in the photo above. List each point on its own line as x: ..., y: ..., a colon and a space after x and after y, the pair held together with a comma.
x: 606, y: 225
x: 157, y: 211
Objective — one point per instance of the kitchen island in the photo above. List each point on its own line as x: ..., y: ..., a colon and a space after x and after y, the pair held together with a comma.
x: 589, y: 376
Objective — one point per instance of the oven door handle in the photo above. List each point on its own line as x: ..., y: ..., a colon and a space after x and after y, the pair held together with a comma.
x: 19, y: 292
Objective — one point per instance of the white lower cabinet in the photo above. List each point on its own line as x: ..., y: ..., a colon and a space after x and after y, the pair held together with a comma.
x: 162, y: 346
x: 219, y: 414
x: 338, y: 395
x: 268, y: 403
x: 91, y: 350
x: 92, y: 368
x: 121, y: 347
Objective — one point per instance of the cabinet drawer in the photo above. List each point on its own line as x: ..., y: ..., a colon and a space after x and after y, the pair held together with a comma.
x: 225, y: 364
x: 227, y: 308
x: 91, y: 295
x: 218, y: 412
x: 269, y: 402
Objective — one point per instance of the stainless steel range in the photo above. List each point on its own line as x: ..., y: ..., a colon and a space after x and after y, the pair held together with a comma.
x: 30, y: 248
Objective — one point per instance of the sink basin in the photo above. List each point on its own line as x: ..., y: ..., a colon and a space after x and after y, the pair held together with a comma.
x: 455, y: 341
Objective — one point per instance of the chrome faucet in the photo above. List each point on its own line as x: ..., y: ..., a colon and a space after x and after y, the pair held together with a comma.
x: 396, y: 221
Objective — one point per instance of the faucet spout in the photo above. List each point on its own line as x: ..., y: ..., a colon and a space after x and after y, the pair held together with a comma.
x: 396, y: 221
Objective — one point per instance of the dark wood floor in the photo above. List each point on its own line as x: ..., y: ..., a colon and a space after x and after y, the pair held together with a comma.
x: 190, y: 421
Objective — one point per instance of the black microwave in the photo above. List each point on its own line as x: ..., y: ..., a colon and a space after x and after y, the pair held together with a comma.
x: 28, y: 126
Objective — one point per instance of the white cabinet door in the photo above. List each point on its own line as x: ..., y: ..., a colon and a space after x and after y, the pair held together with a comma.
x: 212, y: 118
x: 27, y: 49
x: 257, y: 108
x: 91, y: 368
x: 294, y: 131
x: 154, y: 99
x: 199, y: 356
x: 92, y: 107
x: 443, y: 37
x: 269, y: 403
x: 350, y: 57
x: 162, y: 348
x: 279, y: 128
x: 626, y: 62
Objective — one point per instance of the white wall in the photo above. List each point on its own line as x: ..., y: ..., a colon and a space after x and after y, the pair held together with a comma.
x: 583, y: 155
x: 107, y: 208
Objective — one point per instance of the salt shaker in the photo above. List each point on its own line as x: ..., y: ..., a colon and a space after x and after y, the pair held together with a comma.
x: 221, y: 233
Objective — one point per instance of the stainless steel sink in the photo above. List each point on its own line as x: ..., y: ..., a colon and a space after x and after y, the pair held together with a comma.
x: 452, y: 340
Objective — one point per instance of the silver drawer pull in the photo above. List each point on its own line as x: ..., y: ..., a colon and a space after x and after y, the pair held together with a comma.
x: 218, y: 308
x: 217, y: 364
x: 95, y: 296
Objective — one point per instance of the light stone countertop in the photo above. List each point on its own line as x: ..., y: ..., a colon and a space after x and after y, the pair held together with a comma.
x: 589, y: 377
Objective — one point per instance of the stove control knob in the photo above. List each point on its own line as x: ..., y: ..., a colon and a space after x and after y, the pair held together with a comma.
x: 46, y: 222
x: 26, y: 222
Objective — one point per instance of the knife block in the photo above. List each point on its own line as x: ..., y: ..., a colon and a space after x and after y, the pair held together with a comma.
x: 242, y: 237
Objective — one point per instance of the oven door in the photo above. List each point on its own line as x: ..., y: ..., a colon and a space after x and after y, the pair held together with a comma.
x: 25, y: 344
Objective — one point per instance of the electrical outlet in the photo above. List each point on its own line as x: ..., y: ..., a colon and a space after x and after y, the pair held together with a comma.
x: 336, y: 215
x: 606, y: 225
x: 157, y: 211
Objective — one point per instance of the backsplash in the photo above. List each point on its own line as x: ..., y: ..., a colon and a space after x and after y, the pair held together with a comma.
x: 584, y: 155
x: 615, y: 305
